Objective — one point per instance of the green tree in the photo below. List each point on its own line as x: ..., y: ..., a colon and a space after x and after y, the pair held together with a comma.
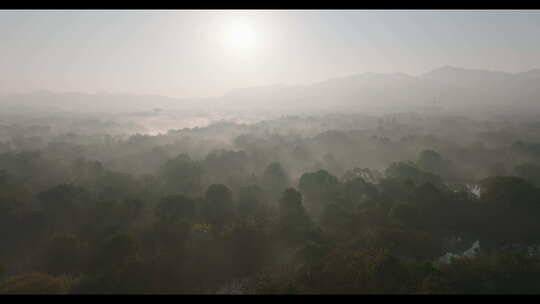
x: 35, y: 283
x: 275, y: 180
x: 218, y: 209
x: 320, y: 189
x: 293, y: 220
x: 181, y: 175
x: 174, y: 207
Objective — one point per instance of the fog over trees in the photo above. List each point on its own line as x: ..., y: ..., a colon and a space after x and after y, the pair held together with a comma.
x: 368, y: 184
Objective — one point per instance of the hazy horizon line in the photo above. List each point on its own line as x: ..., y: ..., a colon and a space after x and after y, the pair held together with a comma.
x: 103, y: 92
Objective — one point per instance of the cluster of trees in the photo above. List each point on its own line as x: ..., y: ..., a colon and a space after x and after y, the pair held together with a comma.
x: 269, y: 211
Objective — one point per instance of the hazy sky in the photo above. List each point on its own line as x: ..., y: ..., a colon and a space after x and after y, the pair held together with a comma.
x: 206, y: 53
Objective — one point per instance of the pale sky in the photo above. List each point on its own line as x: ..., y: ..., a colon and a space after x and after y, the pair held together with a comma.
x: 186, y: 53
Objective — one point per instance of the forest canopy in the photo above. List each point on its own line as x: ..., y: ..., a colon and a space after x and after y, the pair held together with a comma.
x: 298, y: 204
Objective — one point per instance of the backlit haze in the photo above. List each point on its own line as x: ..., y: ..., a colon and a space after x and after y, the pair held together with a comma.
x: 207, y: 53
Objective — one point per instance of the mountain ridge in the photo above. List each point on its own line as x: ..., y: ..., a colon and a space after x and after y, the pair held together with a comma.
x: 446, y: 86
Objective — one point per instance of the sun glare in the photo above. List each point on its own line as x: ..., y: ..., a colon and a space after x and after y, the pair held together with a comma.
x: 241, y: 36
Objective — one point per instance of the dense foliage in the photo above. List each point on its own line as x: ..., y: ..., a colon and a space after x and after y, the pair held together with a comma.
x: 292, y: 205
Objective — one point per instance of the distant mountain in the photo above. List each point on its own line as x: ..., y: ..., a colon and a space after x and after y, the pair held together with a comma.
x: 451, y: 74
x: 445, y: 88
x: 81, y: 102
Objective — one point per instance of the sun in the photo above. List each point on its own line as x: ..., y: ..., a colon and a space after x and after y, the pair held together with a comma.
x: 240, y: 36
